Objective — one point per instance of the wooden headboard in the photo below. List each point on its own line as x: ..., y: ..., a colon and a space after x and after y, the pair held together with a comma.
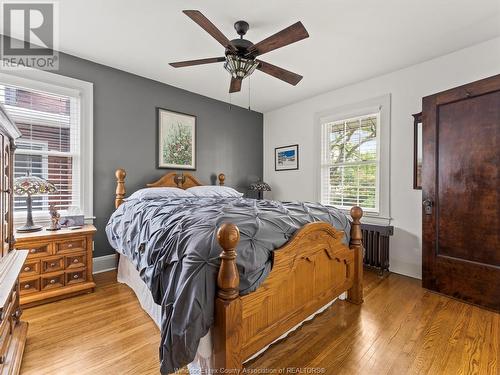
x: 172, y: 179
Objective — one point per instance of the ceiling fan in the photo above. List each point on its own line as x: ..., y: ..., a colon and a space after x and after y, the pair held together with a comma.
x: 240, y: 55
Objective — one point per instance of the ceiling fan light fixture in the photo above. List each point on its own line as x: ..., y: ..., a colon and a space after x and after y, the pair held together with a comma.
x: 240, y: 58
x: 240, y: 67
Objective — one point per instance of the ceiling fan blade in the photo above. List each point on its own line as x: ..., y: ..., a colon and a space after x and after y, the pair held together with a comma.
x: 209, y: 27
x: 282, y: 38
x: 280, y: 73
x: 235, y: 85
x: 182, y: 64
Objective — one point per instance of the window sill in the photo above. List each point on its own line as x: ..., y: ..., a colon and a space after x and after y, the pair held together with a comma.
x: 43, y: 220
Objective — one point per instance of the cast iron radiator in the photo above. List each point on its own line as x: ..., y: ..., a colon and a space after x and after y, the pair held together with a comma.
x: 376, y: 244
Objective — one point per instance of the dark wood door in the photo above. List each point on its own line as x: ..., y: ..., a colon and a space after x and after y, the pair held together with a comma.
x: 461, y: 193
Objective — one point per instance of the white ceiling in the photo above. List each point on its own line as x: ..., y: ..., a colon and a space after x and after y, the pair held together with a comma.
x: 350, y: 40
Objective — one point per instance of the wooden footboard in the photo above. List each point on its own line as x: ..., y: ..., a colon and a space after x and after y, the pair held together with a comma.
x: 312, y: 269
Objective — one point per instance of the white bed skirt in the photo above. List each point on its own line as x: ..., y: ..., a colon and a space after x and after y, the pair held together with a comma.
x: 203, y: 361
x: 127, y: 274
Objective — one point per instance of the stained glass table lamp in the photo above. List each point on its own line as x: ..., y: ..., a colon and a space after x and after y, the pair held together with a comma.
x: 28, y: 186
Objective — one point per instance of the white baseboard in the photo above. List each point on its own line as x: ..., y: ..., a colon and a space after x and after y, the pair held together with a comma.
x: 406, y: 269
x: 105, y: 263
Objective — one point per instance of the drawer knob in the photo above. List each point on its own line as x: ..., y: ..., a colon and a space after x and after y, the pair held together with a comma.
x: 52, y: 264
x: 53, y: 281
x: 32, y: 251
x: 75, y: 260
x: 27, y: 286
x: 75, y: 276
x: 70, y: 245
x: 26, y: 269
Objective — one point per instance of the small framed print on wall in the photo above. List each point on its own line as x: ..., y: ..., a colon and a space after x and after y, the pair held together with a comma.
x: 176, y: 147
x: 286, y: 158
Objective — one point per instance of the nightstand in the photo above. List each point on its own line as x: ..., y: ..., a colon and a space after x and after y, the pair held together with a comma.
x: 59, y: 264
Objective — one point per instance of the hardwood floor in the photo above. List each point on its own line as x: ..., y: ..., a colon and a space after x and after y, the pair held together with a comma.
x: 105, y: 332
x: 400, y: 329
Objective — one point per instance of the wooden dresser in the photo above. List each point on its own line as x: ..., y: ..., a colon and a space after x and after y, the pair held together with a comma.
x: 12, y: 330
x: 59, y: 264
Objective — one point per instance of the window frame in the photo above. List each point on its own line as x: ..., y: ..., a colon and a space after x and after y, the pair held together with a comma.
x: 40, y: 80
x: 382, y: 106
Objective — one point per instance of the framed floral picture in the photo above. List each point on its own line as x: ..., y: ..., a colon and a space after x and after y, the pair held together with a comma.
x: 176, y: 140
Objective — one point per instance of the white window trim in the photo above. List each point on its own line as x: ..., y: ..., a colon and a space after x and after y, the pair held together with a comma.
x: 381, y: 104
x: 59, y: 84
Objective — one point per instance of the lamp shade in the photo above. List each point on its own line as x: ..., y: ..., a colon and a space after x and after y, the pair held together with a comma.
x: 33, y: 185
x: 260, y: 186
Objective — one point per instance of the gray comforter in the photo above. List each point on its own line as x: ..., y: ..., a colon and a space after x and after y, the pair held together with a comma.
x: 172, y: 242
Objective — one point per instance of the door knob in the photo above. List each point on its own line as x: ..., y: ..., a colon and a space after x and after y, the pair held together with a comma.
x: 428, y: 206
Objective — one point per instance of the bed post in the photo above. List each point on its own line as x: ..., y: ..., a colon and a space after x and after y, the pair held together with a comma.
x: 228, y: 308
x: 120, y: 186
x: 222, y: 178
x: 355, y: 294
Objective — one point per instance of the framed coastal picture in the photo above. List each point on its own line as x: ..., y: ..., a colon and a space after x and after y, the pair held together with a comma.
x: 176, y: 139
x: 286, y: 158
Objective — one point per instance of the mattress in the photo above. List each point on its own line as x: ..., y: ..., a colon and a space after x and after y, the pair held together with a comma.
x: 127, y: 274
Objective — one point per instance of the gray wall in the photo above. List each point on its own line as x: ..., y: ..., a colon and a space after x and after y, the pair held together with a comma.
x: 229, y: 139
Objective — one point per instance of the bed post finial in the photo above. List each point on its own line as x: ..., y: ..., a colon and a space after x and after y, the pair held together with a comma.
x: 228, y: 279
x: 222, y: 178
x: 356, y: 235
x: 355, y: 294
x: 120, y: 186
x: 228, y: 306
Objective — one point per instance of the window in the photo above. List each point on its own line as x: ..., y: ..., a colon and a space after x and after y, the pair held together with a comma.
x: 350, y: 162
x: 56, y: 139
x: 48, y: 147
x: 354, y: 157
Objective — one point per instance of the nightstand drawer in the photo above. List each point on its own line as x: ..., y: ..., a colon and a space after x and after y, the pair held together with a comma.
x: 69, y: 246
x: 29, y: 286
x: 74, y: 277
x: 75, y: 261
x: 30, y: 268
x: 52, y: 281
x: 52, y: 264
x: 36, y: 250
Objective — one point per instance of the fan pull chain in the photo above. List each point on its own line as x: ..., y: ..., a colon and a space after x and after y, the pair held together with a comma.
x: 249, y: 94
x: 230, y: 103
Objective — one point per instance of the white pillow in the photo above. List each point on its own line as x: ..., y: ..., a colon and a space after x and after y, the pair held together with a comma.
x: 214, y: 191
x: 159, y: 192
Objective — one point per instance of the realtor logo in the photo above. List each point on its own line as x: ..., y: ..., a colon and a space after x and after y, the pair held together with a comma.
x: 30, y: 35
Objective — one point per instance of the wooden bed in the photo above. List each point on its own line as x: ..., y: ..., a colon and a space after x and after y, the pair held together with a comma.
x: 311, y: 270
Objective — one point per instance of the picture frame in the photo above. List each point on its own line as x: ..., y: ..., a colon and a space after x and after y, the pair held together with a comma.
x: 417, y: 151
x: 286, y: 158
x: 176, y: 140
